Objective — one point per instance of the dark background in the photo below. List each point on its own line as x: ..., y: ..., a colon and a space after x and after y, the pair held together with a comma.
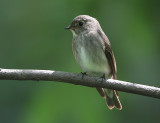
x: 32, y: 36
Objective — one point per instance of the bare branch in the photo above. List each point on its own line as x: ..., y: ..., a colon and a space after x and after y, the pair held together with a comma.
x: 74, y: 78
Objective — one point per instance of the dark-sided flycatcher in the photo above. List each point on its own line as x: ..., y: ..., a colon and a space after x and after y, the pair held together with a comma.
x: 94, y: 55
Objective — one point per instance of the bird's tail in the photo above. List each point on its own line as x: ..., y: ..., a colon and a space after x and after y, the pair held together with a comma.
x: 112, y: 99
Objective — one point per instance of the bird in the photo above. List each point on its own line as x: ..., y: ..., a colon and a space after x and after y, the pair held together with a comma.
x: 93, y: 53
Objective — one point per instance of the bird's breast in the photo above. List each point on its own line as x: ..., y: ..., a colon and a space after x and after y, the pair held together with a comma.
x: 90, y: 55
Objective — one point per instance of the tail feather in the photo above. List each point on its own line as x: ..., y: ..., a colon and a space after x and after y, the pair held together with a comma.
x: 116, y: 100
x: 112, y: 99
x: 101, y: 92
x: 109, y: 102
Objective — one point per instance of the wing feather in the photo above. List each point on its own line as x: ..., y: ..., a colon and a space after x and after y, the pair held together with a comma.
x: 109, y: 54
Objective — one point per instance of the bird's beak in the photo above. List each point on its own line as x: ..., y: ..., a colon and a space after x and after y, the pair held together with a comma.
x: 68, y: 27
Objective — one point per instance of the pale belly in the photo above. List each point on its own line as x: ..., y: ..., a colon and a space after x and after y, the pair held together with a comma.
x: 94, y: 62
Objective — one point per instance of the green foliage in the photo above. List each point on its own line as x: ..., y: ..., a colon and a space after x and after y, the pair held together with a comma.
x: 32, y: 36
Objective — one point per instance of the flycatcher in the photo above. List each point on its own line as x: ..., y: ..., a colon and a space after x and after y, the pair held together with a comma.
x: 94, y: 55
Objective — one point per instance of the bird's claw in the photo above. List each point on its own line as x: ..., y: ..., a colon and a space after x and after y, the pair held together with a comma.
x: 83, y: 74
x: 103, y: 77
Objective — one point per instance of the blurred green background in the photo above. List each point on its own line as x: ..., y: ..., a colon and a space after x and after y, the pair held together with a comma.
x: 32, y: 36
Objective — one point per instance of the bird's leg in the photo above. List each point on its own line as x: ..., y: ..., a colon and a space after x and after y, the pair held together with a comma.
x: 103, y: 77
x: 83, y: 74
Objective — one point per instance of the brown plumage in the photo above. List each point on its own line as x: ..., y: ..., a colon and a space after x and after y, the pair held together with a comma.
x: 114, y: 101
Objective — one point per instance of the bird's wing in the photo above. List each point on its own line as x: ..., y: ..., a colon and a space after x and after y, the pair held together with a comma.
x: 109, y: 54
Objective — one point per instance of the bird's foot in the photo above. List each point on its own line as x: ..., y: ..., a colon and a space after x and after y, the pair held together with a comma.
x: 103, y: 77
x: 83, y: 74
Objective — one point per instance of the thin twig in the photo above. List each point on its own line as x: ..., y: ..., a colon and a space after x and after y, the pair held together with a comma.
x: 74, y: 78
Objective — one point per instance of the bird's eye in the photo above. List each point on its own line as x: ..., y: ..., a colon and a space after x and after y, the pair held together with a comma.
x: 80, y: 23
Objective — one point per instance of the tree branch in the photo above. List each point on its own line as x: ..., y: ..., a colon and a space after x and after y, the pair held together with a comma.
x: 74, y: 78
